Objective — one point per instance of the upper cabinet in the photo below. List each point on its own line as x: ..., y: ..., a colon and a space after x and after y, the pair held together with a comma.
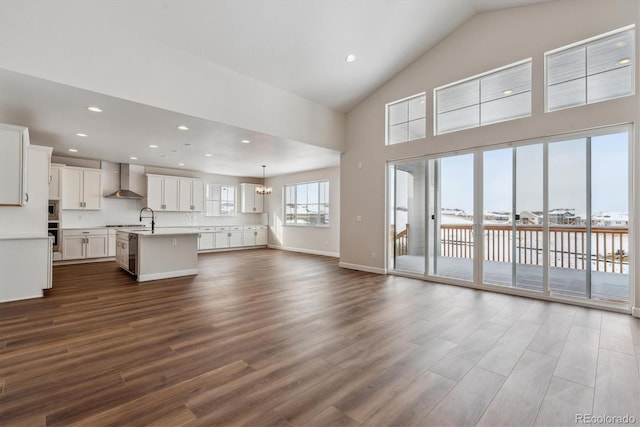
x: 250, y: 201
x: 173, y: 193
x: 81, y: 188
x: 162, y: 192
x: 191, y: 195
x: 14, y: 142
x: 55, y: 182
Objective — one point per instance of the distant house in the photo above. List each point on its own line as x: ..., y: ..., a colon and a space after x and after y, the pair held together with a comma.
x: 530, y: 218
x: 610, y: 219
x: 564, y: 216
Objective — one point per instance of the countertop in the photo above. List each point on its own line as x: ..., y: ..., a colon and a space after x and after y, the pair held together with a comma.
x: 24, y: 236
x: 159, y: 232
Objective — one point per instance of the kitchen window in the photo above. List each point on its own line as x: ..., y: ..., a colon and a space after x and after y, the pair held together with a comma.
x: 220, y: 200
x: 307, y: 204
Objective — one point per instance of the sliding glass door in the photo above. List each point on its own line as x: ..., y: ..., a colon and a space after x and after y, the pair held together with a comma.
x: 550, y: 217
x: 452, y: 217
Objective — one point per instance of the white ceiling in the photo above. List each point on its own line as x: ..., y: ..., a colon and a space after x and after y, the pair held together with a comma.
x: 296, y: 45
x: 299, y: 45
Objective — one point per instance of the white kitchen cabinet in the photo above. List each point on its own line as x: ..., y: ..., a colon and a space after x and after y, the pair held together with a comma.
x: 14, y: 143
x: 55, y: 181
x: 191, y: 195
x: 235, y: 237
x: 249, y: 236
x: 222, y: 239
x: 81, y: 188
x: 254, y: 235
x: 81, y: 244
x: 250, y: 201
x: 228, y: 237
x: 262, y: 232
x: 163, y: 193
x: 111, y: 242
x: 122, y: 252
x: 207, y: 239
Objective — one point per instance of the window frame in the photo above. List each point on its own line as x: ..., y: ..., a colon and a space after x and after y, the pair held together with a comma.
x: 295, y: 185
x: 480, y: 103
x: 585, y: 42
x: 387, y: 127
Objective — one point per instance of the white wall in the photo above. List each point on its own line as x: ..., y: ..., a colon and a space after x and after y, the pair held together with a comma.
x: 485, y: 42
x: 318, y: 240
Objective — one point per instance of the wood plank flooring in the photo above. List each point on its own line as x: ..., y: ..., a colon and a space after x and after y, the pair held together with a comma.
x: 272, y: 338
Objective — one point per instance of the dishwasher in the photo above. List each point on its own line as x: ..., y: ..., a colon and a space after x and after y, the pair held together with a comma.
x: 133, y: 253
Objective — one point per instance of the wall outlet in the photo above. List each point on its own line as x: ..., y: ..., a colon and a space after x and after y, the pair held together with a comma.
x: 358, y: 218
x: 373, y: 255
x: 174, y: 242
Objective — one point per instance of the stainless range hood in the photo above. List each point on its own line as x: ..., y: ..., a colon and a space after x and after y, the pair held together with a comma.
x: 124, y: 192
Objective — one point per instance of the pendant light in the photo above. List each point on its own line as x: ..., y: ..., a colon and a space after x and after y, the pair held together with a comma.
x: 263, y: 190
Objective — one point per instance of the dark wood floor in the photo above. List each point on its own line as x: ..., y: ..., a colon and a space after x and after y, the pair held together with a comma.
x: 265, y: 337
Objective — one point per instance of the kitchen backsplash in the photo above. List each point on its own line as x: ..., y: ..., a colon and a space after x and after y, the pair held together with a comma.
x: 121, y: 211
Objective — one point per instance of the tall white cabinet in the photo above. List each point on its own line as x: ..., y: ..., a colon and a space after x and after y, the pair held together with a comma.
x: 25, y: 252
x: 14, y: 143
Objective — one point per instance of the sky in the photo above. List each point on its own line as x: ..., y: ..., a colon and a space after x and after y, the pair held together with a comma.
x: 567, y: 177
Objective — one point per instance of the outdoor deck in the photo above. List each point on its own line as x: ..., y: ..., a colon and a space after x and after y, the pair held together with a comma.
x: 613, y: 287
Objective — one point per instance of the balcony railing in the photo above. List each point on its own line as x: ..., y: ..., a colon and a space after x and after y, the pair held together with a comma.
x: 567, y: 245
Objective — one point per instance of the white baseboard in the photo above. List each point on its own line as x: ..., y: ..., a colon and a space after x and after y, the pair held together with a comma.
x: 305, y: 251
x: 362, y: 268
x: 166, y: 275
x: 635, y: 311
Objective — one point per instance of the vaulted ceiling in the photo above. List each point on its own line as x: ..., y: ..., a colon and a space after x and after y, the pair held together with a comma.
x: 286, y: 51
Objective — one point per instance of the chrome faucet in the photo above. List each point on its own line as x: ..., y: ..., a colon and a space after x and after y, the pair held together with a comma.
x: 153, y: 218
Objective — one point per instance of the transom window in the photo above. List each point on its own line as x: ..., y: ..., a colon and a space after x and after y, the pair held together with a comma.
x: 591, y: 71
x: 406, y: 119
x: 307, y: 204
x: 495, y: 96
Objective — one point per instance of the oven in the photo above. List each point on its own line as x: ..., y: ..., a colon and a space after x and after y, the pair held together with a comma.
x: 53, y: 210
x: 54, y: 231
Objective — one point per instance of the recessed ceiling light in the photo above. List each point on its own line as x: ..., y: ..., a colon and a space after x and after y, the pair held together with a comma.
x: 73, y: 150
x: 153, y: 146
x: 82, y: 135
x: 620, y: 44
x: 507, y: 92
x: 163, y: 156
x: 133, y: 158
x: 208, y: 155
x: 183, y: 127
x: 180, y: 164
x: 624, y: 61
x: 245, y: 141
x: 94, y: 109
x: 187, y: 145
x: 174, y: 151
x: 350, y: 58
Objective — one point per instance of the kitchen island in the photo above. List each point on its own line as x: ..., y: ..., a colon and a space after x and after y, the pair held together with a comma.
x: 160, y: 254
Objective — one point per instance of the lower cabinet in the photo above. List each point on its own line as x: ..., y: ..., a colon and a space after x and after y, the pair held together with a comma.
x: 226, y: 237
x: 81, y: 244
x: 207, y: 238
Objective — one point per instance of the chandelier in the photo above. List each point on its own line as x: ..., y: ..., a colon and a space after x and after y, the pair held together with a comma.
x: 263, y: 189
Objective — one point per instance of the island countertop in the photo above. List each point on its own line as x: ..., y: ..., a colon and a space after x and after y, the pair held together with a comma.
x: 159, y: 232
